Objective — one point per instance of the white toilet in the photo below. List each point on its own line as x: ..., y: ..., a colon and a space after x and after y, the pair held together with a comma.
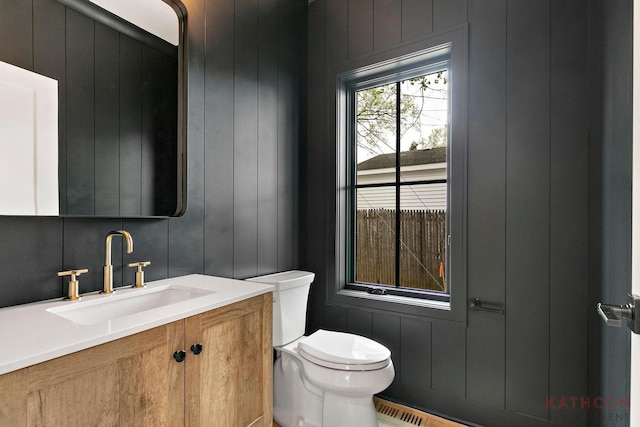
x: 326, y: 379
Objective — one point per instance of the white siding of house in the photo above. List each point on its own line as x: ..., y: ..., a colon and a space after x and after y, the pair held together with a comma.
x: 412, y: 197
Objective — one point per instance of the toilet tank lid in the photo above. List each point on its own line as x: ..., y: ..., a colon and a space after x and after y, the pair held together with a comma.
x: 340, y: 347
x: 285, y: 279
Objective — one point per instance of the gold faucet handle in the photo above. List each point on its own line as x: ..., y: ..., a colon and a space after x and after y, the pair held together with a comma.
x: 73, y: 273
x: 139, y: 272
x: 74, y: 285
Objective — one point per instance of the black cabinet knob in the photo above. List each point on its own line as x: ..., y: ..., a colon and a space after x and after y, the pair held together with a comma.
x: 179, y: 355
x: 196, y: 348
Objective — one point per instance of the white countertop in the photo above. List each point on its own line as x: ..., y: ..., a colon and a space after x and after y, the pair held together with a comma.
x: 31, y: 334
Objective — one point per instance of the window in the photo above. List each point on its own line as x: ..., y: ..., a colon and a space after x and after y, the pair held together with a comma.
x: 401, y: 131
x: 398, y: 195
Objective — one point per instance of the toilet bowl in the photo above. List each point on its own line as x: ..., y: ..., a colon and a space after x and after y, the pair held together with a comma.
x: 326, y: 379
x: 330, y: 388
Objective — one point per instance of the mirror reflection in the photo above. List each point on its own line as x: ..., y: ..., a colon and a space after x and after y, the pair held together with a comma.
x: 120, y: 152
x: 120, y: 132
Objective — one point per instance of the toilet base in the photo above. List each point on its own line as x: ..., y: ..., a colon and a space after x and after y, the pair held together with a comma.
x: 300, y: 402
x: 339, y: 411
x: 336, y: 411
x: 296, y: 403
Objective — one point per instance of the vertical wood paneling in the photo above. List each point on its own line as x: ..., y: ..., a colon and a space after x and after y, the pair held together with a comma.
x: 165, y: 164
x: 387, y: 20
x: 245, y: 132
x: 596, y: 290
x: 80, y: 113
x: 267, y: 137
x: 610, y: 169
x: 336, y: 41
x: 527, y: 238
x: 219, y: 126
x: 417, y: 19
x: 360, y: 21
x: 187, y: 234
x: 49, y: 60
x: 447, y: 13
x: 130, y: 126
x: 150, y: 144
x: 415, y: 351
x: 486, y: 199
x: 16, y: 27
x: 568, y: 200
x: 359, y: 322
x: 448, y: 358
x: 336, y: 19
x: 386, y: 331
x: 313, y: 236
x: 107, y: 121
x: 335, y: 318
x: 31, y: 257
x: 288, y: 134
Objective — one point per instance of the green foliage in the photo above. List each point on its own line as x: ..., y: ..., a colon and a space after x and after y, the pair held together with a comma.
x: 376, y: 114
x: 437, y: 138
x: 425, y: 82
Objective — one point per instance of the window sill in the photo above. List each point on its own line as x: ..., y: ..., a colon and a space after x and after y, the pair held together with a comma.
x: 396, y: 299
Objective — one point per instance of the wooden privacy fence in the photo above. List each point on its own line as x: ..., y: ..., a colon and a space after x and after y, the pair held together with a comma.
x: 422, y: 251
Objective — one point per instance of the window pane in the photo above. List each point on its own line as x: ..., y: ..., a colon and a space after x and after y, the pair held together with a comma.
x: 423, y: 257
x: 376, y: 134
x: 424, y: 140
x: 427, y: 197
x: 424, y: 127
x: 421, y: 236
x: 375, y: 244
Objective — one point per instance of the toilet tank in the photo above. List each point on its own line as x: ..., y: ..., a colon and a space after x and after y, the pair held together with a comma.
x: 289, y: 303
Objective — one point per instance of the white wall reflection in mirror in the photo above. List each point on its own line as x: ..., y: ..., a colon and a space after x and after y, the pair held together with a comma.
x: 154, y: 16
x: 28, y: 142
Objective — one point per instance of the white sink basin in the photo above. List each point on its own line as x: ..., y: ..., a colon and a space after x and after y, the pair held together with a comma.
x: 125, y: 303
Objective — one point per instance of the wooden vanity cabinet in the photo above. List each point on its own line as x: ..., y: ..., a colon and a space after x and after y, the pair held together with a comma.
x: 230, y: 382
x: 136, y: 381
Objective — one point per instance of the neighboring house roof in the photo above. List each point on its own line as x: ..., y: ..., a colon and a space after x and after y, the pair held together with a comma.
x: 407, y: 158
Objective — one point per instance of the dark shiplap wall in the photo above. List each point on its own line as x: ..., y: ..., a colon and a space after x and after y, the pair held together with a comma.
x: 610, y: 168
x: 246, y: 60
x: 530, y: 204
x: 532, y: 172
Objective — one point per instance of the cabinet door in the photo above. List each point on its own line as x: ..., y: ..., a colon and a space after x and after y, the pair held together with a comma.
x: 133, y: 381
x: 13, y: 398
x: 229, y: 384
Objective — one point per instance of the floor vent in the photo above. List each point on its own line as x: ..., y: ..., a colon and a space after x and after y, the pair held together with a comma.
x: 398, y: 412
x: 399, y: 415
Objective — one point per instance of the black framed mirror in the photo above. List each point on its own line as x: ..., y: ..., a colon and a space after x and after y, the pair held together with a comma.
x: 121, y: 110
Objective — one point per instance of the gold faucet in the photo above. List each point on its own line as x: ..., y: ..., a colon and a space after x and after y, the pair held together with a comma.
x: 108, y: 267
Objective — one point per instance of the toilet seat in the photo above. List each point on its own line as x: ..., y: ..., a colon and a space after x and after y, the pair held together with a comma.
x: 342, y: 351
